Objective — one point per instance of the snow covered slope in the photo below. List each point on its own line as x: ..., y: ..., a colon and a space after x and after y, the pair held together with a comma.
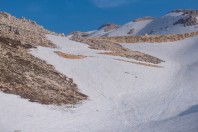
x: 103, y: 30
x: 175, y: 22
x: 129, y: 29
x: 184, y: 88
x: 167, y: 25
x: 123, y: 96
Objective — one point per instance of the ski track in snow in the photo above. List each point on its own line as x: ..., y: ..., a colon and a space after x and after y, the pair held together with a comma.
x: 118, y: 101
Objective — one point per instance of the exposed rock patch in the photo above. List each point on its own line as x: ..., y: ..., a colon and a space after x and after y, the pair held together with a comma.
x: 143, y: 19
x: 118, y: 50
x: 108, y: 27
x: 147, y: 38
x: 79, y: 34
x: 112, y: 44
x: 131, y: 31
x: 135, y: 55
x: 186, y: 11
x: 189, y: 19
x: 23, y: 30
x: 69, y: 56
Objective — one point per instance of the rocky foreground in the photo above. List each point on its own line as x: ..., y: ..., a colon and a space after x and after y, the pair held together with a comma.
x: 25, y: 75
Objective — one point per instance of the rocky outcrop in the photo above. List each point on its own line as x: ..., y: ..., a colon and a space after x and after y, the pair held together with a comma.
x: 189, y: 19
x: 108, y: 27
x: 118, y: 50
x: 143, y: 19
x: 79, y: 34
x: 186, y: 11
x: 23, y: 30
x: 131, y: 31
x: 4, y: 15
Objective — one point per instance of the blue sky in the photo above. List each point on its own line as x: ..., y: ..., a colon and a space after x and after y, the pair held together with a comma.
x: 64, y: 16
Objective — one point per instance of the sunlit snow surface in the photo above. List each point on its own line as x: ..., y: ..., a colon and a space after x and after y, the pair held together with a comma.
x: 123, y: 97
x: 163, y: 25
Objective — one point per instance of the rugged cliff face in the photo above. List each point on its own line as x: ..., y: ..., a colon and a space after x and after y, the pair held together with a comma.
x: 25, y: 75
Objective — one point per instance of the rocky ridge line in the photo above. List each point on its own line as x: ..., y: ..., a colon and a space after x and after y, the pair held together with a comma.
x: 23, y: 30
x: 148, y: 38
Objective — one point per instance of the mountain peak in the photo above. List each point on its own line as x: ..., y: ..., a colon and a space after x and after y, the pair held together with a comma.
x: 186, y: 11
x: 108, y: 27
x: 143, y: 18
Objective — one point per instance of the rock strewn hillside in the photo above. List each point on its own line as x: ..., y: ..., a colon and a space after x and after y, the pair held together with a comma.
x: 23, y: 30
x: 117, y: 49
x: 108, y: 27
x: 148, y: 38
x: 143, y: 19
x: 112, y: 44
x: 189, y: 19
x: 33, y: 79
x: 25, y: 75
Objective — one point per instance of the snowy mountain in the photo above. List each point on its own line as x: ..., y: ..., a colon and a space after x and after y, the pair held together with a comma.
x: 104, y: 29
x: 131, y: 28
x: 100, y: 84
x: 124, y: 95
x: 175, y: 22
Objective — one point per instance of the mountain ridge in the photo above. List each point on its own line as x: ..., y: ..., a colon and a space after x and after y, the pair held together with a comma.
x: 174, y: 22
x: 128, y: 79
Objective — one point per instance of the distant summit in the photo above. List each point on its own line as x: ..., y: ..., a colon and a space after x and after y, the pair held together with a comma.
x: 108, y: 27
x: 143, y: 19
x: 186, y: 11
x: 175, y: 22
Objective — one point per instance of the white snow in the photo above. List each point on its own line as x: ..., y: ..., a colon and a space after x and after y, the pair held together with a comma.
x: 125, y: 29
x: 166, y: 25
x: 174, y: 14
x: 122, y: 96
x: 100, y: 32
x: 163, y: 25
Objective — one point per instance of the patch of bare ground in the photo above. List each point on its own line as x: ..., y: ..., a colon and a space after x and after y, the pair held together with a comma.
x: 147, y: 38
x: 69, y: 56
x: 135, y: 55
x: 112, y: 44
x: 117, y: 50
x: 31, y: 78
x: 140, y: 63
